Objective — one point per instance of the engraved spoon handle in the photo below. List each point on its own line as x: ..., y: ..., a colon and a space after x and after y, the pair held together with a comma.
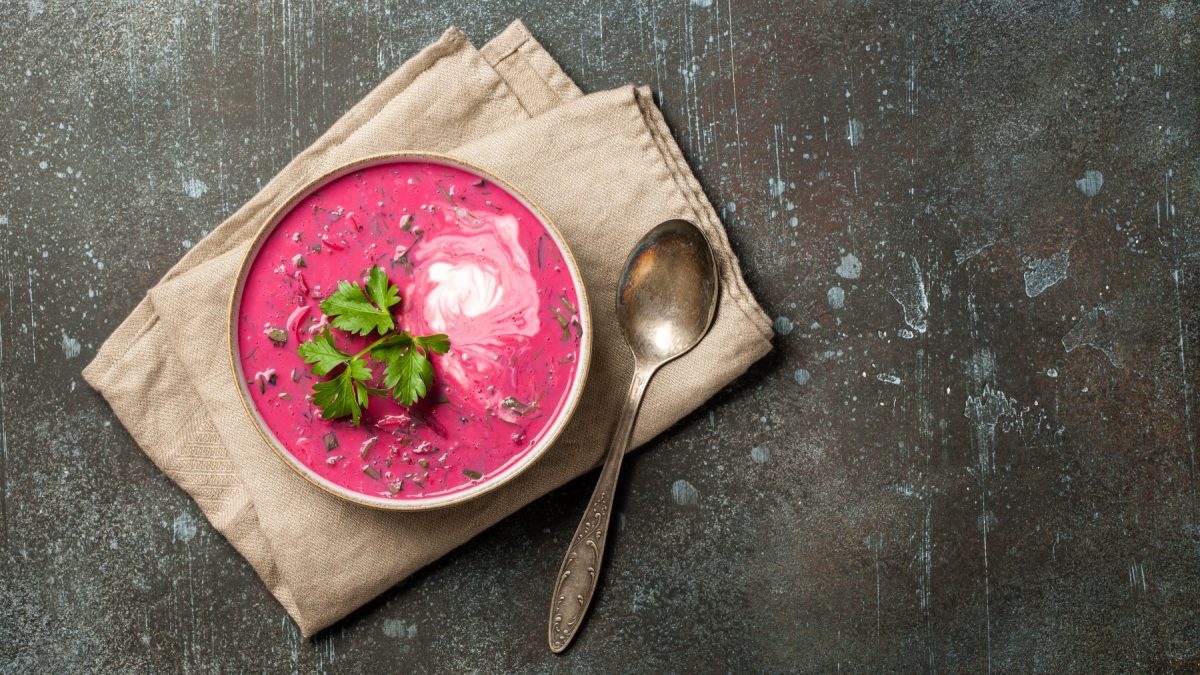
x: 576, y: 581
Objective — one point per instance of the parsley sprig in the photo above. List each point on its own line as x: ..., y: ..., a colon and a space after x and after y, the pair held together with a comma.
x: 407, y: 372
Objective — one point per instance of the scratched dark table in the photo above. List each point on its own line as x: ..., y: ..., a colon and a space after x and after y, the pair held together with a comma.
x: 973, y: 449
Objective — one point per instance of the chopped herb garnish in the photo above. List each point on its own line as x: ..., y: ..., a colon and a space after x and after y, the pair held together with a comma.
x: 263, y: 378
x: 567, y: 303
x: 278, y: 335
x: 517, y: 407
x: 563, y: 321
x: 404, y: 262
x: 371, y: 472
x: 331, y: 441
x: 567, y: 318
x: 473, y: 475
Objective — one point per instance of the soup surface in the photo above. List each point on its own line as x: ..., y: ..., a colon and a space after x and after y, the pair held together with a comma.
x: 471, y: 261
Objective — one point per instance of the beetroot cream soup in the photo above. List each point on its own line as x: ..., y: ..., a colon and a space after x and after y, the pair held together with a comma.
x: 471, y: 262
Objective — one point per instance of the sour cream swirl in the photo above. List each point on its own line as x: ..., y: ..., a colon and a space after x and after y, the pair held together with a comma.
x: 477, y: 287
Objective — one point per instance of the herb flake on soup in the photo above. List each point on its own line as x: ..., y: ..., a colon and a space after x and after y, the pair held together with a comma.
x: 471, y: 262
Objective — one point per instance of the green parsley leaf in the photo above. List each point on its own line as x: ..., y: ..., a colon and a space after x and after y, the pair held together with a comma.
x: 408, y: 374
x: 439, y: 343
x: 352, y: 311
x: 345, y: 395
x: 322, y: 354
x: 382, y: 291
x: 383, y: 347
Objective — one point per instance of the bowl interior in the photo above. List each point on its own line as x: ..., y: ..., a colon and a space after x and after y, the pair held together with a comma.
x: 579, y: 329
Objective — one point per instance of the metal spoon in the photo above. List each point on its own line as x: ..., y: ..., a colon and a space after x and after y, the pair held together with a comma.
x: 665, y: 303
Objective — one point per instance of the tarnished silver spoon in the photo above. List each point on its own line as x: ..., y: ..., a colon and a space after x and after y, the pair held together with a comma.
x: 665, y: 303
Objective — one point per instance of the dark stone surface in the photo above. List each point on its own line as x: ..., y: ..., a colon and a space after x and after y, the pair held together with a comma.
x: 974, y: 448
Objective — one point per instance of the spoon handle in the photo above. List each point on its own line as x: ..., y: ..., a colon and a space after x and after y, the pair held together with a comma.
x: 576, y: 581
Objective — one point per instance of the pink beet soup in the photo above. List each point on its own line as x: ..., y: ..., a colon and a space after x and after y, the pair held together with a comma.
x: 471, y: 261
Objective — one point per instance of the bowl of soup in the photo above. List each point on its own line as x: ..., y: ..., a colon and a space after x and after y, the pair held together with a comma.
x: 471, y: 259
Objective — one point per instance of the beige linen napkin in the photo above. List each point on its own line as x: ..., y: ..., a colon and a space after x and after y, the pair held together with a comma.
x: 603, y: 167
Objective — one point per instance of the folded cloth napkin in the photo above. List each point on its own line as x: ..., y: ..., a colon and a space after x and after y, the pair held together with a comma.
x: 605, y: 170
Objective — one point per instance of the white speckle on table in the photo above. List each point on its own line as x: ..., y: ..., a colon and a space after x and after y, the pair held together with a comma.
x: 1137, y: 577
x: 1041, y: 274
x: 981, y: 367
x: 70, y: 346
x: 643, y: 598
x: 887, y: 378
x: 684, y: 493
x: 985, y: 412
x: 194, y: 187
x: 783, y: 325
x: 836, y: 297
x: 909, y: 291
x: 971, y: 250
x: 183, y: 528
x: 1094, y: 330
x: 1091, y: 183
x: 760, y: 454
x: 802, y: 376
x: 854, y: 132
x: 395, y: 628
x: 986, y: 521
x: 702, y: 3
x: 850, y: 268
x: 187, y: 244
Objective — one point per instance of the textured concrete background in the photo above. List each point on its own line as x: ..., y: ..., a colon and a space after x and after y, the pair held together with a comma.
x: 974, y: 448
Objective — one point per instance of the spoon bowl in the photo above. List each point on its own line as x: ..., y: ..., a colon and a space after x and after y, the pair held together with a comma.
x: 666, y: 299
x: 668, y: 292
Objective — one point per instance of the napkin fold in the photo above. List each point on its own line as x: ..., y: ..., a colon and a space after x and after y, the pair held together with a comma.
x: 603, y: 167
